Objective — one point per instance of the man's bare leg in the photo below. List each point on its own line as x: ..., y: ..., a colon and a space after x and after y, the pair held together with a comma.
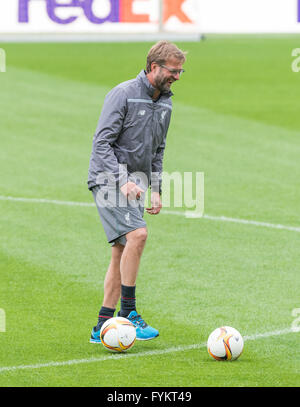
x: 131, y: 256
x: 130, y: 262
x: 112, y: 282
x: 123, y: 267
x: 112, y: 291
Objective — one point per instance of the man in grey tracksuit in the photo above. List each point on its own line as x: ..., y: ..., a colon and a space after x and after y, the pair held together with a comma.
x: 126, y: 159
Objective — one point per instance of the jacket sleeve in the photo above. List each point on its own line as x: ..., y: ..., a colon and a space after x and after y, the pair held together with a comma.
x: 157, y: 163
x: 107, y: 132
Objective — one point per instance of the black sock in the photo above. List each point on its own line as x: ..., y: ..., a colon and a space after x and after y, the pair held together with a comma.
x: 127, y: 300
x: 104, y: 314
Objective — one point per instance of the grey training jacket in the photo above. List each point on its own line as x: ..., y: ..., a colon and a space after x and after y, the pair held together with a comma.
x: 131, y: 134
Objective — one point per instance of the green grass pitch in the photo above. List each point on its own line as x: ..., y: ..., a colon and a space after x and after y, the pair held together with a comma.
x: 235, y: 118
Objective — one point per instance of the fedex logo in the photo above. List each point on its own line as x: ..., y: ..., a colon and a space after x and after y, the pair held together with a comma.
x: 120, y: 11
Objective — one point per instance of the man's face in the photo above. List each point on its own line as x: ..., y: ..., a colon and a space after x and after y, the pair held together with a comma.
x: 164, y: 76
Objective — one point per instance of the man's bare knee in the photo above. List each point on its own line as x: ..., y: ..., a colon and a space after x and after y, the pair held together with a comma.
x: 138, y: 236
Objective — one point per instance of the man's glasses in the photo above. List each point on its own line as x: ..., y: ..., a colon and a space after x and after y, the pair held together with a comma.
x: 173, y: 71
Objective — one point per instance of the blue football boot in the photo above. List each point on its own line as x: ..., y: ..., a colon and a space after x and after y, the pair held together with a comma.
x: 95, y: 336
x: 144, y: 332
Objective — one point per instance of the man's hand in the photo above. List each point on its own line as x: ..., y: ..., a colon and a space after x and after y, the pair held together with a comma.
x: 131, y: 191
x: 156, y: 204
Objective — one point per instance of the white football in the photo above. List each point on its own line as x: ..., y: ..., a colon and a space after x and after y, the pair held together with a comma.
x: 118, y: 334
x: 225, y: 343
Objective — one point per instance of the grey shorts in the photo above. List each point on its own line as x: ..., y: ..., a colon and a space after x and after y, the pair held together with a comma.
x: 118, y: 215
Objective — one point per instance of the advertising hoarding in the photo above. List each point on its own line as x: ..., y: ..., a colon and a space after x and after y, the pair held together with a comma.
x: 81, y: 17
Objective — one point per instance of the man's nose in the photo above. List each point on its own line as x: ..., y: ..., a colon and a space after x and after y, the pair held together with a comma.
x: 177, y: 76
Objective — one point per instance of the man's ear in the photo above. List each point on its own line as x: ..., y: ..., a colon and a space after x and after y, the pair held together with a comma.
x: 153, y: 66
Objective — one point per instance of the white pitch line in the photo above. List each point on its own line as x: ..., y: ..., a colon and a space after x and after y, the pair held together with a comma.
x: 163, y: 212
x: 142, y: 354
x: 253, y: 222
x: 47, y: 201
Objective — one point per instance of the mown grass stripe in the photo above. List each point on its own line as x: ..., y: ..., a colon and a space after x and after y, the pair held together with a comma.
x: 164, y: 212
x: 141, y: 354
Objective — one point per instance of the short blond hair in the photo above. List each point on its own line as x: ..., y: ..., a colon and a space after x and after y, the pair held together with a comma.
x: 162, y: 51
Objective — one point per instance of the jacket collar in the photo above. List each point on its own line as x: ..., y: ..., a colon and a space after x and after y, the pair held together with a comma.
x: 149, y: 88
